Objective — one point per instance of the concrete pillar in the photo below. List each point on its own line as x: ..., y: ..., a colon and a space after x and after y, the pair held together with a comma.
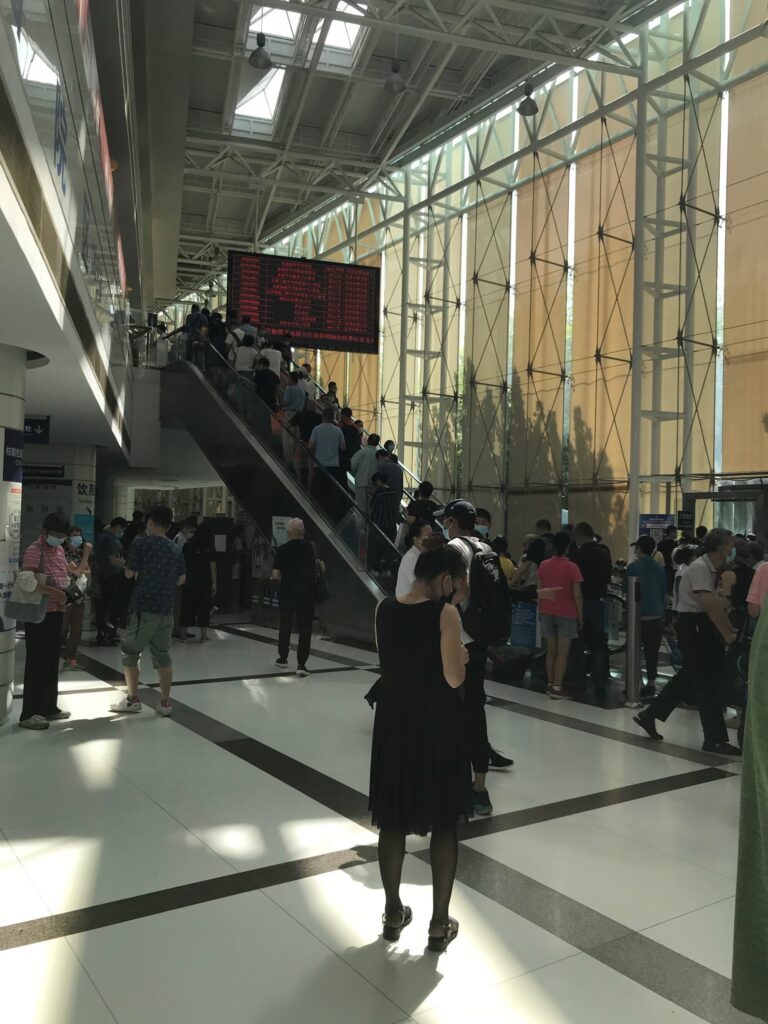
x: 13, y: 369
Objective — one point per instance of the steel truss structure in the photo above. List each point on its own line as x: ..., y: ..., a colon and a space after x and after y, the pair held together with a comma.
x: 553, y: 287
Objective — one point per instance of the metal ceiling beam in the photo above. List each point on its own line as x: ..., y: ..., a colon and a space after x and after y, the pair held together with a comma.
x: 206, y: 140
x: 291, y: 185
x: 421, y: 32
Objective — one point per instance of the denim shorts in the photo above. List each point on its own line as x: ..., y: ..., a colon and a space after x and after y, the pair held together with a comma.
x: 556, y: 627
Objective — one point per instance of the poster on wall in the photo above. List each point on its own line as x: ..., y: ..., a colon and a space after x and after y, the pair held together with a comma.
x: 655, y: 525
x: 10, y: 516
x: 280, y: 530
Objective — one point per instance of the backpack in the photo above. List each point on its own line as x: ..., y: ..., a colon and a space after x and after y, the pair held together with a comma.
x: 488, y: 615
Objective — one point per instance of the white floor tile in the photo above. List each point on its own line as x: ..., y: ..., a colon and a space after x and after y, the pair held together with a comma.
x: 344, y: 910
x: 223, y: 657
x: 114, y: 855
x: 19, y: 899
x: 699, y: 824
x: 705, y: 936
x: 267, y: 824
x: 46, y: 984
x: 240, y: 960
x: 575, y: 991
x: 616, y: 876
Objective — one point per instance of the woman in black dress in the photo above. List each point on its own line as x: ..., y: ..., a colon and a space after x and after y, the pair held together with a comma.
x: 197, y: 593
x: 420, y: 769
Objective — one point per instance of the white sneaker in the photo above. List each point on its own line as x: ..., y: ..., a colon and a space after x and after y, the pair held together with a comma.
x: 126, y: 705
x: 302, y: 672
x: 283, y: 663
x: 165, y: 710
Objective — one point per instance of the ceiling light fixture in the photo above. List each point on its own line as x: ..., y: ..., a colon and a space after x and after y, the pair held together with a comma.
x: 394, y: 83
x: 529, y: 107
x: 259, y: 57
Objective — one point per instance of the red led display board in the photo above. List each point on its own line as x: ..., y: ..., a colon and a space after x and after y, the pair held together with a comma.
x: 321, y: 304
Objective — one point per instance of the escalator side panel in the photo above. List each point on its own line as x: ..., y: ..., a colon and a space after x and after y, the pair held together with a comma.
x: 264, y: 488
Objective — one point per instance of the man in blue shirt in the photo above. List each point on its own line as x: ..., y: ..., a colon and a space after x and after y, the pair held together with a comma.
x: 653, y: 603
x: 157, y: 564
x: 294, y: 400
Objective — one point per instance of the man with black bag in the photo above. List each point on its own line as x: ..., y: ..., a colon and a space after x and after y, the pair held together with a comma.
x: 296, y: 568
x: 459, y: 520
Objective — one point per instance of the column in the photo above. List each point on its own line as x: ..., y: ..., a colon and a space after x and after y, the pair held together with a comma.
x: 13, y: 368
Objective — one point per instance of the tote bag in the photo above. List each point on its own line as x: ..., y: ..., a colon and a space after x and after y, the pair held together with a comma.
x: 24, y: 605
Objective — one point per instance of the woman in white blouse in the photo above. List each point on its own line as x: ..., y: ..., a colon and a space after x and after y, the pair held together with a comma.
x: 417, y: 533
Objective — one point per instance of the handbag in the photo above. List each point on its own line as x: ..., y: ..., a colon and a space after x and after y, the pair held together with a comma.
x: 24, y: 605
x: 321, y: 587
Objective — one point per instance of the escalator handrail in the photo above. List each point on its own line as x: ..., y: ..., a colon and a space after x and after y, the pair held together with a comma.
x: 371, y: 525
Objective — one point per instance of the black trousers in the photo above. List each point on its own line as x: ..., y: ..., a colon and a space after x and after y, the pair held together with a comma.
x: 304, y: 613
x: 41, y: 671
x: 650, y: 635
x: 474, y: 708
x: 103, y: 599
x: 594, y: 640
x: 703, y: 663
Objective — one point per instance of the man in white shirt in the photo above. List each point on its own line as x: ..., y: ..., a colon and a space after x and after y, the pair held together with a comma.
x: 459, y: 520
x: 363, y: 467
x: 704, y: 633
x: 274, y: 358
x: 305, y: 381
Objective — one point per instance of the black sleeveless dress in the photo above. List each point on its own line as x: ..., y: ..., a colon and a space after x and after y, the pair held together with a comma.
x: 420, y: 767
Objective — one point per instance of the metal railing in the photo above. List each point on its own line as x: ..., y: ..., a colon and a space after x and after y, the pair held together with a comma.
x: 364, y: 539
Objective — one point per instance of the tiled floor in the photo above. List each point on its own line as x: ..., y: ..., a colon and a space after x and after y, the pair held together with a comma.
x: 218, y: 867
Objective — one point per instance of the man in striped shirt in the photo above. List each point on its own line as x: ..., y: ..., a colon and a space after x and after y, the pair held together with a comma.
x: 384, y: 511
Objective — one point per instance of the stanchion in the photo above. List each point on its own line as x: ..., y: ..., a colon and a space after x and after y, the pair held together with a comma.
x: 633, y: 673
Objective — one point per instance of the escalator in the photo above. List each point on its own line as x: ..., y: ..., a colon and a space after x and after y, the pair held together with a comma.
x: 247, y: 445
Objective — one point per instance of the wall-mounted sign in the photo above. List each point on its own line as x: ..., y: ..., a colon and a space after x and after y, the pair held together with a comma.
x: 45, y: 471
x: 37, y: 429
x: 686, y: 521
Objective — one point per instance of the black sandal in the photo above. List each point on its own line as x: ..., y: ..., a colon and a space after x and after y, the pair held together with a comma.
x: 439, y: 943
x: 391, y: 932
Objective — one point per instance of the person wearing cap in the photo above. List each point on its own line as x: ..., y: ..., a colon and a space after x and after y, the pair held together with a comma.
x: 704, y: 631
x: 459, y: 520
x: 294, y: 569
x: 653, y: 601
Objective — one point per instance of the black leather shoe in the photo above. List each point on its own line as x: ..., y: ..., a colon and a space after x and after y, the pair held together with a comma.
x: 497, y: 760
x: 649, y: 725
x: 725, y: 749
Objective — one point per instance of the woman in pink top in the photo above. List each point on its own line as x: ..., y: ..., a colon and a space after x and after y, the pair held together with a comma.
x: 41, y: 669
x: 561, y: 614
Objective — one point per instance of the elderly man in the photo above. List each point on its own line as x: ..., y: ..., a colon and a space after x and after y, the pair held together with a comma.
x: 704, y: 631
x: 295, y: 571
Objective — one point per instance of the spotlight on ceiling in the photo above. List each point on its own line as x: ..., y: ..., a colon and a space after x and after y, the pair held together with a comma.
x: 394, y: 83
x: 259, y: 57
x: 529, y: 107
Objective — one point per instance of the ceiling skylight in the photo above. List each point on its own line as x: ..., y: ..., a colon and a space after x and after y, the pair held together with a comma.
x: 279, y: 24
x: 342, y: 34
x: 33, y: 66
x: 261, y: 101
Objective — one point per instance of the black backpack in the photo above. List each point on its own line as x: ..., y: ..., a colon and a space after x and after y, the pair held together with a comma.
x: 488, y: 615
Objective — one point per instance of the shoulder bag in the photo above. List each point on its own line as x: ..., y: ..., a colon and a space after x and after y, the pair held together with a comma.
x: 25, y: 604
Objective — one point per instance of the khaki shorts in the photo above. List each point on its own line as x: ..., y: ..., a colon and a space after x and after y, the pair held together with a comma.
x: 147, y: 630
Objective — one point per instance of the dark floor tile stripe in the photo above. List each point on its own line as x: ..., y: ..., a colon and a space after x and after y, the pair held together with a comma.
x: 684, y: 982
x: 105, y: 915
x: 263, y: 639
x: 590, y: 802
x: 607, y: 733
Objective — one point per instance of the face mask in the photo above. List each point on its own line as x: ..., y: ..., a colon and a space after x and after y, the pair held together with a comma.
x: 75, y: 542
x: 446, y: 533
x: 119, y: 534
x: 731, y: 555
x: 55, y: 542
x: 483, y: 530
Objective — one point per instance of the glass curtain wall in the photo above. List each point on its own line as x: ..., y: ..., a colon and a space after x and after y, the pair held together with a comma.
x: 526, y: 361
